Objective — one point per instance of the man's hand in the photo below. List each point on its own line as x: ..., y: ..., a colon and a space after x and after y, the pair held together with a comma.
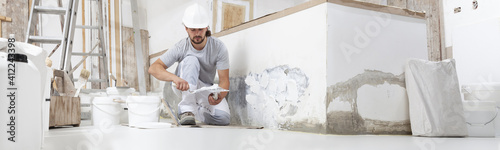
x: 181, y: 84
x: 212, y: 101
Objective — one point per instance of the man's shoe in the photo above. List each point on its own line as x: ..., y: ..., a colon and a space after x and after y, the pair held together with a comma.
x: 187, y: 118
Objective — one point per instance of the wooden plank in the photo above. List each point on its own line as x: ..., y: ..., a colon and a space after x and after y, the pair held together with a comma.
x: 380, y: 8
x: 3, y: 3
x: 64, y: 111
x: 434, y: 23
x: 130, y: 60
x: 397, y: 3
x: 214, y: 14
x: 233, y: 15
x: 157, y: 54
x: 312, y: 3
x: 110, y: 62
x: 3, y: 18
x: 52, y: 112
x: 372, y: 1
x: 18, y: 11
x: 117, y: 43
x: 84, y: 44
x: 76, y: 111
x: 442, y: 46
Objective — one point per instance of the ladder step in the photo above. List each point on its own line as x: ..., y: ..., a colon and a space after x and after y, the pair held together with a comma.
x: 85, y: 54
x: 45, y: 39
x: 87, y: 27
x: 50, y: 10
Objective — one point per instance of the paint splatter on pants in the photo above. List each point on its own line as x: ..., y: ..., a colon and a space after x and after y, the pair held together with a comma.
x: 198, y: 103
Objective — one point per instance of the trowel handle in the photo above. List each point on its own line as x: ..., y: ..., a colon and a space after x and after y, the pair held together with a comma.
x: 215, y: 95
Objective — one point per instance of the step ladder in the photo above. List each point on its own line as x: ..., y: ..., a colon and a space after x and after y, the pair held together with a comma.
x: 66, y: 40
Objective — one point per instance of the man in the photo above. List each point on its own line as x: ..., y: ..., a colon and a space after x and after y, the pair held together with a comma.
x: 199, y: 56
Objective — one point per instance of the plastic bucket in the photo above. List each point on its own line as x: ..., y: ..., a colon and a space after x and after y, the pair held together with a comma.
x: 143, y: 109
x: 104, y: 109
x: 480, y: 117
x: 485, y: 92
x: 86, y: 104
x: 121, y: 94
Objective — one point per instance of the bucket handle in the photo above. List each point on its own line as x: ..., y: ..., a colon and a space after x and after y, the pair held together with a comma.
x: 159, y: 105
x: 481, y: 124
x: 116, y: 113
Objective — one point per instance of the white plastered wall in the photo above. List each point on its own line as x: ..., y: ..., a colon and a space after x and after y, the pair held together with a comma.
x: 298, y: 41
x: 360, y: 40
x: 473, y: 35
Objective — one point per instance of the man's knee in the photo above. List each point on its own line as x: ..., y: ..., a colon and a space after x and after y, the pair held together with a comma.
x: 190, y: 60
x: 219, y: 118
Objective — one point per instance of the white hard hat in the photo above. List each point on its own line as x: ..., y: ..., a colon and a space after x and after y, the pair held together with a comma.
x: 195, y: 16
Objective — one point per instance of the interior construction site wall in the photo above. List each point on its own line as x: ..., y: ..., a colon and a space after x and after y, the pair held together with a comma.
x: 476, y: 49
x: 345, y: 63
x: 473, y: 36
x: 367, y: 51
x: 277, y: 72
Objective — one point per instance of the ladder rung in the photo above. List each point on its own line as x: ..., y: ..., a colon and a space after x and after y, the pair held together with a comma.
x: 91, y: 80
x: 85, y: 54
x: 87, y: 27
x: 50, y: 10
x: 45, y: 39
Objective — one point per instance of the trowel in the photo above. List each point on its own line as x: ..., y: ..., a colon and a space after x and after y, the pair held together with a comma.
x: 214, y: 89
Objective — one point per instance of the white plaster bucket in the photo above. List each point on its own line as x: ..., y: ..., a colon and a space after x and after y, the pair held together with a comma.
x: 105, y: 111
x: 120, y: 94
x: 480, y: 117
x: 143, y: 109
x: 489, y: 93
x: 86, y: 104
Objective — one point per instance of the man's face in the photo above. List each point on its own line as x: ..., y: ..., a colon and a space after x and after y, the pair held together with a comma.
x: 197, y: 35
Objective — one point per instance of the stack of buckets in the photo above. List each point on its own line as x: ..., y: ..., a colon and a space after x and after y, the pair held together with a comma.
x: 121, y: 107
x: 481, y: 103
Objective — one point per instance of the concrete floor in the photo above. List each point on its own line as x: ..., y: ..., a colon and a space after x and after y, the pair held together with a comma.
x: 125, y: 138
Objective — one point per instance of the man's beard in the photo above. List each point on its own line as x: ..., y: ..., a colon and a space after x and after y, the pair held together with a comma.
x: 201, y: 41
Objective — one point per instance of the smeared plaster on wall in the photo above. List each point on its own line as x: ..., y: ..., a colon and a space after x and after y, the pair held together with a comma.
x: 237, y: 101
x: 350, y: 122
x: 272, y: 96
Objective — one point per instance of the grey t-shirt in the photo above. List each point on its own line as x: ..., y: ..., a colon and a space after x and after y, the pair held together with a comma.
x: 212, y: 57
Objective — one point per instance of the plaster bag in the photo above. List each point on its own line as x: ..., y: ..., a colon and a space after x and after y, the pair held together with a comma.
x: 434, y: 97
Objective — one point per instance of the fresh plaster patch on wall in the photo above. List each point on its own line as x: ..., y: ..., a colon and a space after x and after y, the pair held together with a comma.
x: 273, y: 95
x: 343, y: 121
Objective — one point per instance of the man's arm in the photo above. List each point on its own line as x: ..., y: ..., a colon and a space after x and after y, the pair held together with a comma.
x: 223, y: 83
x: 158, y: 70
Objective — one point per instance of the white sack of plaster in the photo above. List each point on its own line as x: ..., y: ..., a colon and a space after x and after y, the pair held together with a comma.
x: 436, y: 107
x: 297, y: 40
x: 360, y: 40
